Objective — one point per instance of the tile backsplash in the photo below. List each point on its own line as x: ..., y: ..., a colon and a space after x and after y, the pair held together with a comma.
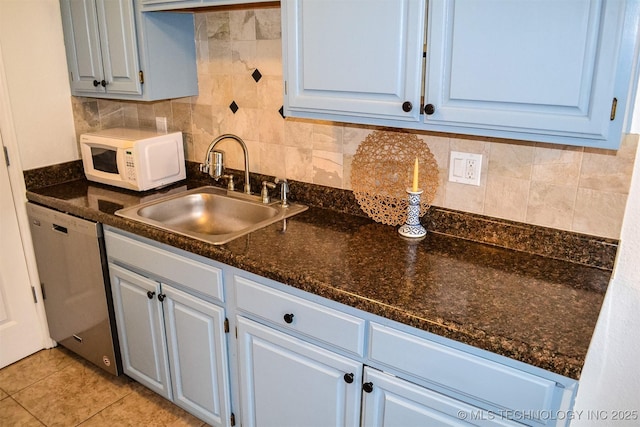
x: 240, y: 91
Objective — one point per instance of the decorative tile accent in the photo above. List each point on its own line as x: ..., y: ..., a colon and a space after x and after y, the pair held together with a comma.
x: 234, y: 107
x: 281, y: 111
x: 256, y: 75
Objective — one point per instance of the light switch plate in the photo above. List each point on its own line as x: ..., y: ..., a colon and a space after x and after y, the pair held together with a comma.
x: 465, y: 168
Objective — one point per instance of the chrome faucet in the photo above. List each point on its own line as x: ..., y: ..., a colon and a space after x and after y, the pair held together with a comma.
x: 214, y: 160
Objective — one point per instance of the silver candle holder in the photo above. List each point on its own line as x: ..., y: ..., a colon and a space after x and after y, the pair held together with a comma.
x: 412, y: 227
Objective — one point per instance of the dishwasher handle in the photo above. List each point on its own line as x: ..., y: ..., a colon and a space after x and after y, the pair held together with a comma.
x: 60, y: 228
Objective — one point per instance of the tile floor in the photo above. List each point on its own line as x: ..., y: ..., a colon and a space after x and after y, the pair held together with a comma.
x: 56, y: 388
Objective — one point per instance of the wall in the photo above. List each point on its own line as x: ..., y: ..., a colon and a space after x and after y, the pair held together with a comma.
x: 569, y: 188
x: 610, y: 381
x: 36, y: 70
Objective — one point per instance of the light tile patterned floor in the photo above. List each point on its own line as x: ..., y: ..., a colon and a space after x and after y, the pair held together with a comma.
x: 56, y: 388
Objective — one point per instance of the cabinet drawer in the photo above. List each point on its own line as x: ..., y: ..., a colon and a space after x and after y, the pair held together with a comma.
x: 313, y: 320
x: 499, y: 385
x: 202, y: 278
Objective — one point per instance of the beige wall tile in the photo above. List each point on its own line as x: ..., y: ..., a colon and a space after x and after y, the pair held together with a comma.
x: 327, y: 137
x: 217, y: 25
x: 270, y: 89
x: 511, y: 160
x: 268, y: 58
x: 244, y: 91
x: 272, y: 157
x: 271, y: 127
x: 609, y: 170
x: 557, y: 164
x: 550, y: 205
x: 220, y: 57
x: 327, y: 168
x: 506, y: 197
x: 268, y: 24
x: 468, y: 198
x: 298, y: 133
x: 242, y: 24
x: 352, y: 136
x: 599, y: 213
x: 217, y: 91
x: 299, y: 164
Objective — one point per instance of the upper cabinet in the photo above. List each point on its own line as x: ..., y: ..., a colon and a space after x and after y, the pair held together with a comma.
x: 537, y: 70
x: 114, y: 51
x: 353, y: 57
x: 155, y: 5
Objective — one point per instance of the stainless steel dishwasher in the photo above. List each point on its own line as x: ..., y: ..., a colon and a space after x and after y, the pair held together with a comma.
x: 74, y: 278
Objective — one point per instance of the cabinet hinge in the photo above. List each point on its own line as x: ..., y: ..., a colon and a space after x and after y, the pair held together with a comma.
x: 226, y: 326
x: 35, y: 296
x: 141, y: 76
x: 614, y: 106
x: 6, y: 156
x: 233, y: 419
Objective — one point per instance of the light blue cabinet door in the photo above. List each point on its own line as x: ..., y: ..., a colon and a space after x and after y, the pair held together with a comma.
x: 353, y: 57
x: 82, y: 44
x: 285, y: 381
x: 140, y: 329
x: 198, y: 356
x: 544, y: 67
x: 394, y: 402
x: 117, y: 27
x: 100, y: 40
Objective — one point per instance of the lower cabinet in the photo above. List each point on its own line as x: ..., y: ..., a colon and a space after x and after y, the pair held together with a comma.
x: 285, y: 381
x: 296, y: 371
x: 296, y: 359
x: 391, y: 401
x: 141, y: 329
x: 173, y: 343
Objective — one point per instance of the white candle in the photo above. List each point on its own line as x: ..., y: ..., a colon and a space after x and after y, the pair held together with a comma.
x: 415, y: 176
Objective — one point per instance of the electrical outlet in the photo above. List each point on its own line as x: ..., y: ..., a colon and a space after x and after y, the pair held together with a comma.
x: 465, y: 168
x: 161, y: 124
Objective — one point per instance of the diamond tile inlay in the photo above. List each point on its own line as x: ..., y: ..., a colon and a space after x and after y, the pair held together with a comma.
x: 256, y: 75
x: 281, y: 111
x: 234, y: 107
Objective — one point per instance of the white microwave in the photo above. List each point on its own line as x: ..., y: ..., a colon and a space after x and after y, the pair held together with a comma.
x: 136, y: 159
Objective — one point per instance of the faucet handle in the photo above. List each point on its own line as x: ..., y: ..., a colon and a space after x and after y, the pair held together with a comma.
x: 230, y: 184
x: 265, y: 192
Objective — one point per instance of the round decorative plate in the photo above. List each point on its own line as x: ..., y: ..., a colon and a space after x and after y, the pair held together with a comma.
x: 382, y: 170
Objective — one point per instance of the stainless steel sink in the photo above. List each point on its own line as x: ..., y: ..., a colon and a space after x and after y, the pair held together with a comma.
x: 210, y: 214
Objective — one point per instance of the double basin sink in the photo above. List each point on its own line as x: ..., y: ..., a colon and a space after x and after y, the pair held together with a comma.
x: 210, y: 214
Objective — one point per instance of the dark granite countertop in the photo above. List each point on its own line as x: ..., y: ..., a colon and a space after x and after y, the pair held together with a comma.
x: 531, y: 308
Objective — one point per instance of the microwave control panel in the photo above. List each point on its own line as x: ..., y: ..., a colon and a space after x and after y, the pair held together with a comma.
x: 130, y: 166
